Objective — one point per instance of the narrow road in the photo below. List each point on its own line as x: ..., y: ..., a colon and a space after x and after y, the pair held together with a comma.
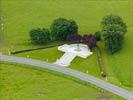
x: 82, y: 76
x: 66, y: 59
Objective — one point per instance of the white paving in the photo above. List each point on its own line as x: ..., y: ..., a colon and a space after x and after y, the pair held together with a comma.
x: 71, y: 52
x: 66, y: 59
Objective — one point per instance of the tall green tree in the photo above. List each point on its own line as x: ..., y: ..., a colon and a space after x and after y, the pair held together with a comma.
x: 113, y: 30
x: 113, y: 38
x: 114, y: 19
x: 62, y: 27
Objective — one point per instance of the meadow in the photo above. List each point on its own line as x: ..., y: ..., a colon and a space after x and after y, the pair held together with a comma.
x: 19, y: 17
x: 28, y: 83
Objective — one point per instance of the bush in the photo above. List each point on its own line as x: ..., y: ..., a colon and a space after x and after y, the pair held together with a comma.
x: 113, y: 19
x: 98, y: 36
x: 90, y: 40
x: 74, y: 37
x: 40, y: 36
x: 61, y: 28
x: 113, y: 38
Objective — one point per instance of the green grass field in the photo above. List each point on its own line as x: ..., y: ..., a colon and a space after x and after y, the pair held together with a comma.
x: 19, y: 17
x: 26, y: 83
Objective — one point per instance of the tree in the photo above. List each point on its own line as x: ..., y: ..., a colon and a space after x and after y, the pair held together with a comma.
x: 98, y: 36
x: 90, y: 40
x: 114, y: 19
x: 113, y: 38
x: 113, y: 29
x: 73, y: 27
x: 61, y: 28
x: 39, y: 36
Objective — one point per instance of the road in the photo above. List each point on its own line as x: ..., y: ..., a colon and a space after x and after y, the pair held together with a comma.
x: 77, y: 74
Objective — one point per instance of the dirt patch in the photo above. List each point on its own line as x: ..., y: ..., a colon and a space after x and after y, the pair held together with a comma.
x: 103, y: 96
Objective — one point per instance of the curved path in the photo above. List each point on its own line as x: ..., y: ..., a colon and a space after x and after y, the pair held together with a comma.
x: 82, y: 76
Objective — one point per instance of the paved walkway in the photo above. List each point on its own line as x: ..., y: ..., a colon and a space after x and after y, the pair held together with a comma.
x: 66, y: 59
x: 71, y: 51
x: 82, y: 76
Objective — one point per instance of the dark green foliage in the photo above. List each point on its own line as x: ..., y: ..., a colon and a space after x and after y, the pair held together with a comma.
x: 113, y: 38
x: 40, y: 36
x: 98, y: 36
x: 114, y: 43
x: 61, y: 28
x: 113, y: 19
x: 113, y: 29
x: 73, y: 27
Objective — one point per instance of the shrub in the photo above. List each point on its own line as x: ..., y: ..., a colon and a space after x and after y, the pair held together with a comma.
x: 61, y: 28
x: 98, y: 36
x: 40, y: 36
x: 74, y: 37
x: 90, y: 40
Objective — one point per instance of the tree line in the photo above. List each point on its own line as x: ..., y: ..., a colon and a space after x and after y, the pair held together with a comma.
x: 112, y: 32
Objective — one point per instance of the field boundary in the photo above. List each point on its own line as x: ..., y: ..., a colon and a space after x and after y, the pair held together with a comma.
x: 100, y: 62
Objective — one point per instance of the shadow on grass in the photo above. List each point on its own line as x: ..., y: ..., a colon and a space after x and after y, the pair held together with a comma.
x: 50, y: 45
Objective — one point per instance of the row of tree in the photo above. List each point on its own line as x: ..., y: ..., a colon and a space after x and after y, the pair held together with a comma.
x: 59, y: 30
x: 113, y: 31
x: 62, y: 30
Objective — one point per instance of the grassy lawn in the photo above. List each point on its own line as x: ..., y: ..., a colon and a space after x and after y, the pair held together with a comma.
x: 20, y: 82
x: 20, y: 17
